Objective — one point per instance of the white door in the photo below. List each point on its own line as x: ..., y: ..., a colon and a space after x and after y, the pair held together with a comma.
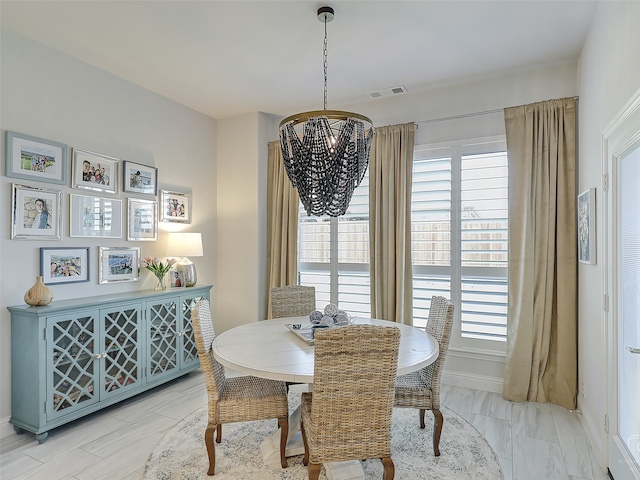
x: 622, y: 262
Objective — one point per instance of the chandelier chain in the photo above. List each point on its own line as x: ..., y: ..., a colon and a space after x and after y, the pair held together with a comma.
x: 324, y: 56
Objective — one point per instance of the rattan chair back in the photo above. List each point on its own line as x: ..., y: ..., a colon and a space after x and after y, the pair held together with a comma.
x: 292, y: 301
x: 348, y: 415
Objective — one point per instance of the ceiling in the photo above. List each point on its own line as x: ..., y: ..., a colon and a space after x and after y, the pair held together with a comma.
x: 227, y: 58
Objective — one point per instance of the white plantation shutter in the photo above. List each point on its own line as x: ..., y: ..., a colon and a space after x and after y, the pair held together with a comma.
x: 334, y: 255
x: 459, y: 235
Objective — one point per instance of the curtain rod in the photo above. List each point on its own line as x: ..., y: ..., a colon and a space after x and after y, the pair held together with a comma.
x: 465, y: 115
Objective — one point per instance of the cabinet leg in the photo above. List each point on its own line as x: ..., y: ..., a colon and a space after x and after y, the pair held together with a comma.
x: 42, y: 437
x: 18, y: 430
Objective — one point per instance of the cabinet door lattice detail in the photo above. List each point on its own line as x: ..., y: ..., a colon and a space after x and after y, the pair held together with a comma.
x: 164, y: 337
x: 189, y: 349
x: 122, y: 349
x: 74, y: 374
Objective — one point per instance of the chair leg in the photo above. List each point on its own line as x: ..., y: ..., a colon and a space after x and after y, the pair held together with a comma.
x: 314, y: 471
x: 305, y: 457
x: 389, y: 468
x: 283, y: 423
x: 219, y: 433
x: 208, y: 441
x: 437, y: 431
x: 422, y: 418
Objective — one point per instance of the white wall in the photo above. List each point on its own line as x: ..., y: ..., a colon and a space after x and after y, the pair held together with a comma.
x: 50, y: 95
x: 609, y: 74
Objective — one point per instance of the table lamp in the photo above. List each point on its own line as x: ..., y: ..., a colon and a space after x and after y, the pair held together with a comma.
x: 181, y: 244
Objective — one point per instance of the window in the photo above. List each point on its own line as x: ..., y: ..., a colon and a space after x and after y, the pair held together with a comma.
x: 459, y: 233
x: 333, y: 255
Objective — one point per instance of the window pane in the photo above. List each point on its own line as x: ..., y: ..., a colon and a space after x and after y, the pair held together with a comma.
x: 424, y: 287
x: 353, y: 227
x: 484, y: 308
x: 322, y: 282
x: 484, y: 210
x: 431, y: 212
x: 354, y: 294
x: 313, y: 238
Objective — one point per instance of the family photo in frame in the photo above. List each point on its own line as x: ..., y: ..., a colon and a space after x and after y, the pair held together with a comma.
x: 64, y: 265
x: 36, y: 213
x: 119, y: 264
x: 140, y: 178
x: 94, y: 171
x: 176, y: 277
x: 175, y: 207
x: 33, y: 158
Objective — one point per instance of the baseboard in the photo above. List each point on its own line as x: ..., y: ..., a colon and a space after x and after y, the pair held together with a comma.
x: 6, y: 429
x: 593, y: 430
x: 478, y: 382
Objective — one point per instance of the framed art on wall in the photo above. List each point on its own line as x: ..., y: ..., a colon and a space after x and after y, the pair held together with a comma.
x: 587, y: 226
x: 64, y: 265
x: 35, y: 213
x: 119, y: 264
x: 33, y: 158
x: 140, y: 178
x: 94, y: 171
x: 142, y: 220
x: 175, y: 206
x: 95, y: 217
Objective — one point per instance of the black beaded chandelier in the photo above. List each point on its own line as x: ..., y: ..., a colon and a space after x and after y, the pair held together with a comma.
x: 326, y: 152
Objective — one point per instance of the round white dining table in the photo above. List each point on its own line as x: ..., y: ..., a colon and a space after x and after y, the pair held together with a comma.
x: 268, y: 349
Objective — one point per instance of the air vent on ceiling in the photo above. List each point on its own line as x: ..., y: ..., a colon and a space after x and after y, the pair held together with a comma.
x: 388, y: 92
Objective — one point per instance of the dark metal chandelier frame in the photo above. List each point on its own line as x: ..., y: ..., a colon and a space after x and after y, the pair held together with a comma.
x: 327, y: 156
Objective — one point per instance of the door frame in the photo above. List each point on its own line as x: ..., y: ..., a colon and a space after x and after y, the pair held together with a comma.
x: 617, y: 139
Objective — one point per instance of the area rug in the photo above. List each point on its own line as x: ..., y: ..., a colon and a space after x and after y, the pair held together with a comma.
x: 464, y: 453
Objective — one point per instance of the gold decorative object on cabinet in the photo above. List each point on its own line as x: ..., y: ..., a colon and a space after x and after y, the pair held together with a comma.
x: 39, y: 294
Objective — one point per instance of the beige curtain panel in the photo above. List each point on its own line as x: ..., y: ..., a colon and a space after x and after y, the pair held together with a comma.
x: 541, y: 361
x: 390, y: 176
x: 282, y: 225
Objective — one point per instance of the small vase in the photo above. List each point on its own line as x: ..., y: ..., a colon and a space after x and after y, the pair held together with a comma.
x: 160, y: 285
x: 39, y: 294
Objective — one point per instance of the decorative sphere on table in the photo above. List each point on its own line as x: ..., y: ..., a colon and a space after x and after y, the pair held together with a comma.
x: 341, y: 318
x: 327, y: 320
x: 316, y: 316
x: 331, y: 310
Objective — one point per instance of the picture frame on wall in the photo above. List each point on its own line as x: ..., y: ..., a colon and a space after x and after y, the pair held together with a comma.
x: 176, y: 278
x: 94, y: 171
x: 33, y: 158
x: 140, y: 178
x: 36, y: 213
x: 142, y: 220
x: 119, y: 264
x: 95, y: 216
x: 64, y: 265
x: 175, y: 206
x: 587, y: 226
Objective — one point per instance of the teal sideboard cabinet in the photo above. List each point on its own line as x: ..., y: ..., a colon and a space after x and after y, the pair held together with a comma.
x: 74, y: 357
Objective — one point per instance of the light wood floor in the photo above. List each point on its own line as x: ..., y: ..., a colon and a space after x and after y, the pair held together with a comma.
x: 533, y: 441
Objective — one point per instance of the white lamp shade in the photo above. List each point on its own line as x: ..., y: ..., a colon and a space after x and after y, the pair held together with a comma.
x: 181, y: 244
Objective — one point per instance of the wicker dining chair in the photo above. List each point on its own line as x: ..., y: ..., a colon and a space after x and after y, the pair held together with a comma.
x: 292, y: 301
x: 235, y: 399
x: 421, y: 389
x: 348, y: 414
